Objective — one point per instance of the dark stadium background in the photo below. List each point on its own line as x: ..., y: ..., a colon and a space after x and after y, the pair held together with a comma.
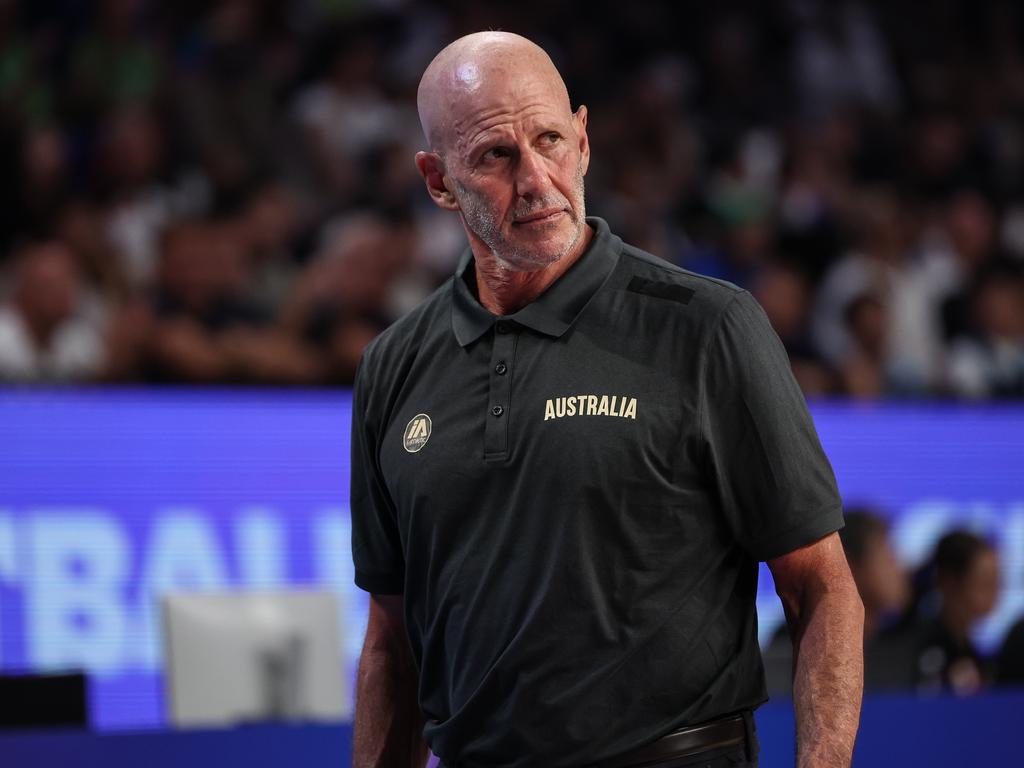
x: 207, y: 209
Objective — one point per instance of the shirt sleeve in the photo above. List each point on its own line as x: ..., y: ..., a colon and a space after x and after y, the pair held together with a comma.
x: 376, y: 544
x: 775, y: 484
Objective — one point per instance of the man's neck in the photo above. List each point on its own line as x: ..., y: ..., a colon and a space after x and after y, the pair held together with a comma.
x: 503, y: 291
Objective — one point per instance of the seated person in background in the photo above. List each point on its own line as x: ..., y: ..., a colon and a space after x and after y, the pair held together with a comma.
x: 346, y: 295
x: 884, y: 588
x: 44, y: 334
x: 1010, y: 662
x: 206, y: 328
x: 966, y: 571
x: 988, y: 361
x: 881, y: 579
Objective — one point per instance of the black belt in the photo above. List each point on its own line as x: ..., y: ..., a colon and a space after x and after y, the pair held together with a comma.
x: 691, y: 740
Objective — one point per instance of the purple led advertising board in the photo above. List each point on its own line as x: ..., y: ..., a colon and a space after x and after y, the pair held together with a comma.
x: 111, y: 497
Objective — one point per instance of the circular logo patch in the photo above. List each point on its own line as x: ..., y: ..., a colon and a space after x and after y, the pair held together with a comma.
x: 417, y: 432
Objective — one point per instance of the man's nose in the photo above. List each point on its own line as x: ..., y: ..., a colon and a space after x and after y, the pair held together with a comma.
x: 532, y: 179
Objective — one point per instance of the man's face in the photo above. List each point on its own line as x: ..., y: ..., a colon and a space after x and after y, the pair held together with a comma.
x: 515, y: 167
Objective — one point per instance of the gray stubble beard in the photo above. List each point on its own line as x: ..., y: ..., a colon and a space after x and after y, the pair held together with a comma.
x: 478, y: 221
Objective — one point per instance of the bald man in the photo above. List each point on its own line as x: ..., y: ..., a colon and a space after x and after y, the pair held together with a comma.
x: 566, y: 466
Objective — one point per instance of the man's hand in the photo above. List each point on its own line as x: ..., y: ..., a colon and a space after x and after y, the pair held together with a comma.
x: 826, y: 622
x: 388, y: 729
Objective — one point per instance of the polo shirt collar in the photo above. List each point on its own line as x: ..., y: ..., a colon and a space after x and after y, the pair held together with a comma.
x: 554, y: 311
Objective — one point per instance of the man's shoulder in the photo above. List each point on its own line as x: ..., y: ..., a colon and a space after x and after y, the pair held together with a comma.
x: 409, y: 333
x: 654, y: 276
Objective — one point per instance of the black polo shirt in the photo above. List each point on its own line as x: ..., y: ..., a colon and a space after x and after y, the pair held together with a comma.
x: 573, y: 500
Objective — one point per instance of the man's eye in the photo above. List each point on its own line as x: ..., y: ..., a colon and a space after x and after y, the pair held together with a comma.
x: 496, y: 153
x: 552, y: 138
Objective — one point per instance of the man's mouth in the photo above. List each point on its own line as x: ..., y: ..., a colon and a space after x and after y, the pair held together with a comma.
x: 540, y: 217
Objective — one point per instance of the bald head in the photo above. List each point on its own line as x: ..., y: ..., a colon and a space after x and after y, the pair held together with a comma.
x: 475, y: 69
x: 506, y: 150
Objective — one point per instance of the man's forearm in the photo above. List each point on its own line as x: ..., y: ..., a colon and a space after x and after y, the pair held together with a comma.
x: 828, y: 677
x: 388, y: 725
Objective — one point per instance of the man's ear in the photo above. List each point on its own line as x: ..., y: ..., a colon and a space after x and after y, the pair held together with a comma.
x: 580, y: 119
x: 431, y: 168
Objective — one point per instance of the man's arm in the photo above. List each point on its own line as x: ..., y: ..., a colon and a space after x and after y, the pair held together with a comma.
x: 388, y: 722
x: 826, y: 622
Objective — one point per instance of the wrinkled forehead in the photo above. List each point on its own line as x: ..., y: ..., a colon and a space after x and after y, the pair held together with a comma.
x: 479, y: 75
x: 480, y: 96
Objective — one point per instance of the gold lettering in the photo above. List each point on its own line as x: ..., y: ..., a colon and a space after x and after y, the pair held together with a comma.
x: 571, y: 405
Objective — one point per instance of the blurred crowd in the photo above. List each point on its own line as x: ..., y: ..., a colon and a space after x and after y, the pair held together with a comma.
x: 919, y: 626
x: 224, y: 191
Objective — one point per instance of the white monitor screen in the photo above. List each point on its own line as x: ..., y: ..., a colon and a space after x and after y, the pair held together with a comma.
x: 252, y: 656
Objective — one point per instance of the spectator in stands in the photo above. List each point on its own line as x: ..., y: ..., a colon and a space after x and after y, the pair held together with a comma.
x: 44, y: 334
x: 966, y: 577
x: 138, y: 204
x: 1010, y: 662
x: 842, y: 140
x: 27, y: 100
x: 784, y: 294
x: 884, y: 588
x: 113, y: 64
x: 969, y: 243
x: 840, y: 58
x: 225, y: 99
x: 347, y: 295
x: 205, y: 329
x: 36, y: 187
x: 988, y: 361
x: 269, y: 224
x: 884, y: 267
x: 863, y: 369
x: 82, y: 226
x: 881, y: 579
x: 345, y: 116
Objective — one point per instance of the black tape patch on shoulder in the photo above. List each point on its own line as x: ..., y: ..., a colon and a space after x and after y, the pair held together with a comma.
x: 679, y: 293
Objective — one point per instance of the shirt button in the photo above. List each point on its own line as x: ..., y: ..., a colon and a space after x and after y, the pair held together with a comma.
x: 501, y: 327
x: 501, y: 369
x: 497, y: 410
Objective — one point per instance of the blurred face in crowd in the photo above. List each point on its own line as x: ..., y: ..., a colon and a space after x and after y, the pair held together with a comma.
x: 974, y: 594
x: 867, y: 318
x: 972, y: 227
x: 46, y: 291
x: 881, y: 579
x: 270, y: 221
x: 508, y: 152
x: 132, y: 148
x: 44, y: 158
x: 782, y: 292
x: 999, y: 309
x: 199, y: 263
x: 360, y: 264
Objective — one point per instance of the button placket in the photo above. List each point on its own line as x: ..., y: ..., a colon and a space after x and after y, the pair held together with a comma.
x: 499, y: 404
